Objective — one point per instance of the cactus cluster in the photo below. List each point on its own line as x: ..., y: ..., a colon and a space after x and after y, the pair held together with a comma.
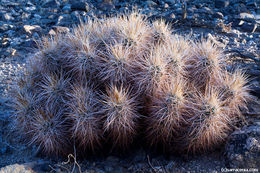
x: 110, y: 80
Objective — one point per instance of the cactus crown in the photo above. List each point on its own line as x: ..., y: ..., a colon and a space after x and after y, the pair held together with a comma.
x: 88, y: 86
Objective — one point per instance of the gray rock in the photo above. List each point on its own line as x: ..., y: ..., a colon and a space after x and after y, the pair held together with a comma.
x: 246, y: 17
x: 206, y: 10
x: 16, y: 169
x: 243, y: 148
x: 3, y: 27
x: 218, y: 15
x: 150, y: 3
x: 165, y: 5
x: 170, y: 1
x: 6, y: 17
x: 106, y: 6
x: 60, y: 29
x: 172, y: 16
x: 64, y: 20
x: 26, y: 16
x: 29, y: 9
x: 221, y: 3
x: 52, y: 32
x: 30, y: 29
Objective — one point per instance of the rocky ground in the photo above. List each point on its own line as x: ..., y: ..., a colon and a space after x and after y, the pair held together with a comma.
x: 232, y: 25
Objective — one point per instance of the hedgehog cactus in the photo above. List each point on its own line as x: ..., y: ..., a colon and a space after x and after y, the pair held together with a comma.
x: 97, y: 84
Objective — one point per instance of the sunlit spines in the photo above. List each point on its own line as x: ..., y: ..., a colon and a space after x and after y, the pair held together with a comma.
x: 49, y: 129
x: 167, y: 107
x: 162, y: 32
x: 25, y: 104
x: 210, y: 123
x: 150, y: 71
x: 81, y: 63
x: 136, y: 32
x: 235, y: 91
x: 120, y: 111
x: 176, y: 52
x: 204, y: 64
x: 85, y: 120
x: 115, y: 64
x: 53, y: 90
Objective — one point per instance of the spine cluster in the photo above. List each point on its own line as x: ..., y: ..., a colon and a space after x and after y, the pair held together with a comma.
x: 96, y: 84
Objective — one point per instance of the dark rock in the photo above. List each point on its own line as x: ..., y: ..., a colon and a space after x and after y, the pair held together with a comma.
x: 47, y: 22
x: 252, y: 4
x: 238, y: 23
x: 51, y: 4
x: 10, y: 33
x: 221, y: 3
x: 66, y: 8
x: 97, y: 171
x: 75, y: 15
x: 29, y: 43
x: 108, y: 168
x: 243, y: 148
x: 170, y: 1
x: 3, y: 150
x: 112, y: 159
x: 106, y: 6
x: 255, y: 91
x: 81, y: 6
x: 170, y: 166
x: 248, y: 27
x: 140, y: 156
x: 240, y: 8
x: 258, y: 12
